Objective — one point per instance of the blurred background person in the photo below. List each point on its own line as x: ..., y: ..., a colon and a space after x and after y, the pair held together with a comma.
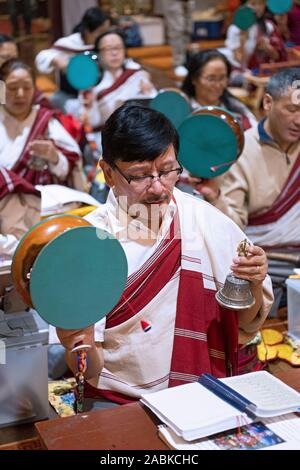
x: 20, y: 206
x: 261, y: 43
x: 15, y: 7
x: 206, y: 85
x: 123, y: 79
x: 178, y: 19
x: 294, y: 23
x: 33, y: 143
x: 8, y: 48
x: 94, y: 22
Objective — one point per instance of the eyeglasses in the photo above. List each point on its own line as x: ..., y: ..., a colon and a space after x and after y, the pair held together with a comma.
x: 143, y: 182
x: 213, y: 79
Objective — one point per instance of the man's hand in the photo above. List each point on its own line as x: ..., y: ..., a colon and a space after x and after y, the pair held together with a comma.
x: 210, y: 188
x: 70, y: 338
x: 253, y: 267
x: 44, y: 149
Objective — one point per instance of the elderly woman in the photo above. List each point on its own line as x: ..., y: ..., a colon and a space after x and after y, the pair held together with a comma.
x: 123, y: 79
x: 206, y: 85
x: 33, y: 143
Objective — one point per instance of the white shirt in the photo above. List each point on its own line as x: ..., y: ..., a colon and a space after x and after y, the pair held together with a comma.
x: 74, y: 42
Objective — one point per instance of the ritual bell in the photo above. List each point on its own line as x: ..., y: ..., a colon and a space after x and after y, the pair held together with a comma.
x: 236, y: 293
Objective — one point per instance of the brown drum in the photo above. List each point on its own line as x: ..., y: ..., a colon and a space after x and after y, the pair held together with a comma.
x: 31, y: 245
x: 227, y: 117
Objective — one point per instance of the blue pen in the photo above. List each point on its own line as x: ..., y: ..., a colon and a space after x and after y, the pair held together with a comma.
x: 228, y: 394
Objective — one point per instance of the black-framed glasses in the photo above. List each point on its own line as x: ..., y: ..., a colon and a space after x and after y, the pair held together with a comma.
x: 164, y: 177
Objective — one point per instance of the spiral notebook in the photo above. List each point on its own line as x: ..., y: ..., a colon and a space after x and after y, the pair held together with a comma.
x: 203, y: 408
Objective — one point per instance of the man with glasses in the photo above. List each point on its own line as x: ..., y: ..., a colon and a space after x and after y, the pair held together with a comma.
x: 167, y: 328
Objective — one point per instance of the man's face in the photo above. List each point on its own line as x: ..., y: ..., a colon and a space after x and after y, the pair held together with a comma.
x: 8, y: 50
x: 153, y: 195
x: 284, y: 117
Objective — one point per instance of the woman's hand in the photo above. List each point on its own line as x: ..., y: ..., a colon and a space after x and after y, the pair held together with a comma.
x: 253, y: 267
x: 61, y: 61
x: 70, y: 338
x: 145, y: 87
x: 44, y: 149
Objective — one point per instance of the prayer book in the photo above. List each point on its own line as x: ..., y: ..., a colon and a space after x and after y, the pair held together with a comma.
x: 211, y: 405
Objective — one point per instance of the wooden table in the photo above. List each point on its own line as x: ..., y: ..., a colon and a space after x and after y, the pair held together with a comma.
x: 128, y: 427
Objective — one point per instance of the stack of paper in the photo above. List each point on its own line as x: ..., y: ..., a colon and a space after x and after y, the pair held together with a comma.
x: 57, y: 198
x: 279, y: 433
x: 193, y: 411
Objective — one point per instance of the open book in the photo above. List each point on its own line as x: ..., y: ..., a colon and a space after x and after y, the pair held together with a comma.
x: 197, y: 410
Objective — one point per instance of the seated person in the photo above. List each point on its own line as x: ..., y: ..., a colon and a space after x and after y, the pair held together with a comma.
x: 206, y: 85
x: 179, y: 249
x: 8, y: 48
x: 123, y: 79
x: 57, y: 58
x: 293, y: 23
x: 260, y: 192
x: 260, y: 44
x: 20, y: 205
x: 33, y: 143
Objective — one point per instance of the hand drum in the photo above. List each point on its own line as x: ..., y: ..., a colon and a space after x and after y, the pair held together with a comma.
x: 173, y: 103
x: 72, y: 273
x: 83, y: 71
x: 211, y: 139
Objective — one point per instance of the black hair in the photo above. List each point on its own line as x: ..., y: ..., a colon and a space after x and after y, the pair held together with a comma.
x: 91, y: 20
x: 110, y: 31
x: 5, y: 38
x: 195, y: 67
x: 15, y: 64
x: 262, y: 20
x: 136, y: 133
x: 281, y: 81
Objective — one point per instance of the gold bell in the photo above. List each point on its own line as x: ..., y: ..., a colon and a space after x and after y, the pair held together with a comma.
x: 235, y: 294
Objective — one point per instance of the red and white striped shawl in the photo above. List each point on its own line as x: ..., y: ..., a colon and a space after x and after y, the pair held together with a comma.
x: 205, y: 336
x: 288, y: 197
x: 127, y: 73
x: 11, y: 183
x: 38, y: 129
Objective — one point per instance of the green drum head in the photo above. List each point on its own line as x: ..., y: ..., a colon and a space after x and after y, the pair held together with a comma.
x: 208, y: 145
x: 173, y: 104
x: 279, y: 7
x: 244, y: 18
x: 78, y: 277
x: 83, y: 71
